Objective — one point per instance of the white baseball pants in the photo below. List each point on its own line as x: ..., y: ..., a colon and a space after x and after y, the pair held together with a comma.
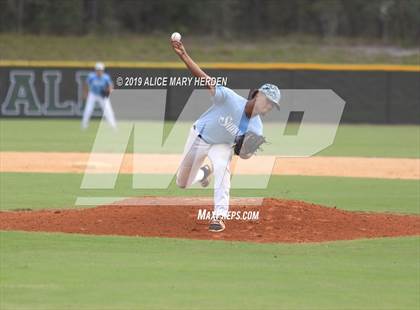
x: 189, y: 172
x: 104, y: 103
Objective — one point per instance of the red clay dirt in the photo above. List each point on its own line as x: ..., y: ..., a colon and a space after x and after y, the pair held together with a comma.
x: 279, y: 221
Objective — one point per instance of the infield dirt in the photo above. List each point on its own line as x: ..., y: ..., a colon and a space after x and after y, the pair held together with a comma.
x: 363, y: 167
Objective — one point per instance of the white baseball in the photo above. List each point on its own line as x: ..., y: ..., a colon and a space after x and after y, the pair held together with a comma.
x: 176, y: 36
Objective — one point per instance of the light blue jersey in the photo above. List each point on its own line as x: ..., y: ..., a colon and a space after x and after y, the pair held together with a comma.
x: 225, y: 118
x: 98, y: 84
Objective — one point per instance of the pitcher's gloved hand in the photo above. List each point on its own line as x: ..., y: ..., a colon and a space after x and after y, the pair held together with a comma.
x: 247, y: 145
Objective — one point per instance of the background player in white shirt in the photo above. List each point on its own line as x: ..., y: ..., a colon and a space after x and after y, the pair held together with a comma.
x: 98, y: 87
x: 213, y: 135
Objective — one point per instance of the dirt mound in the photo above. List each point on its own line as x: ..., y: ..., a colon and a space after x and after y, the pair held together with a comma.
x: 279, y: 221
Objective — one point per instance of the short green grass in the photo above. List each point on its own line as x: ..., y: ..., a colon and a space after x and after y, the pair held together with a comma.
x: 43, y: 190
x: 205, y: 48
x: 66, y: 136
x: 58, y: 271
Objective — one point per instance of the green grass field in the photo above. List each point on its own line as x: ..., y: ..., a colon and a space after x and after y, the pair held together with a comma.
x: 65, y: 136
x: 206, y: 48
x: 57, y: 271
x: 69, y: 271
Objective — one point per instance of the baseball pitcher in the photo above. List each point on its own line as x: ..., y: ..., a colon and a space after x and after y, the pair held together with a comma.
x: 232, y: 125
x: 98, y: 87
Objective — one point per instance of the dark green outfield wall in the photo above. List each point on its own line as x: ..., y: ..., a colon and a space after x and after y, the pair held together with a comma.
x: 371, y: 96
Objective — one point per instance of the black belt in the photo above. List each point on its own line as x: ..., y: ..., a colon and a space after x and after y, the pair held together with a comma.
x: 199, y: 135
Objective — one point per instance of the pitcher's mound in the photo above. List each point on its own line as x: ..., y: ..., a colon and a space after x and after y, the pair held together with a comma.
x: 278, y: 221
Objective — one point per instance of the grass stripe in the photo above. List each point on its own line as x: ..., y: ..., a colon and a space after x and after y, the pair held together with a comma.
x: 49, y: 135
x: 212, y: 65
x: 40, y: 190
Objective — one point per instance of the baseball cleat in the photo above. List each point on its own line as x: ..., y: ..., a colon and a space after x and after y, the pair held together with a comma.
x: 217, y: 225
x: 207, y: 174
